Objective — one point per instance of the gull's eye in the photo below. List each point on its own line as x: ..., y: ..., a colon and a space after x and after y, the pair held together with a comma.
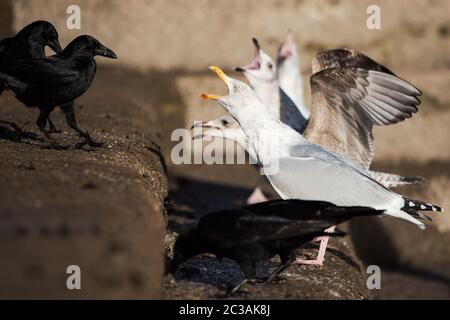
x: 270, y: 66
x: 235, y: 89
x: 224, y: 122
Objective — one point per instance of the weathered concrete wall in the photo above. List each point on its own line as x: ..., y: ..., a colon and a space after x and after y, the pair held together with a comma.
x: 190, y: 35
x: 102, y: 210
x: 175, y: 41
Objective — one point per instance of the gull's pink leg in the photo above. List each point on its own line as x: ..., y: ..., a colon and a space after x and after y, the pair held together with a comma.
x: 256, y: 197
x: 322, y: 249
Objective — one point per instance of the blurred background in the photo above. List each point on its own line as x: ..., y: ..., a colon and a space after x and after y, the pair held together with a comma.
x: 165, y: 48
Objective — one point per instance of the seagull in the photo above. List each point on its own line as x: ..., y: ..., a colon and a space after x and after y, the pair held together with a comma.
x: 262, y: 75
x: 300, y: 169
x: 260, y: 231
x: 343, y: 125
x: 289, y: 77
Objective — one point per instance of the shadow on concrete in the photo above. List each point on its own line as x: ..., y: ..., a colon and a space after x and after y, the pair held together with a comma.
x: 6, y: 18
x: 381, y: 249
x: 12, y: 132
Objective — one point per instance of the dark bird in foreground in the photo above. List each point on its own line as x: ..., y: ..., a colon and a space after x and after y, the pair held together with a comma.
x: 261, y: 231
x: 57, y: 81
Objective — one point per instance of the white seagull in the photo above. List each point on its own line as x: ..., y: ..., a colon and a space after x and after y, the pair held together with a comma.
x: 289, y: 77
x: 343, y: 113
x: 299, y: 169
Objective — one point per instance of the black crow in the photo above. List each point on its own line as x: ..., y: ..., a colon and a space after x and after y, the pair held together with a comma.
x: 29, y: 43
x: 57, y: 80
x: 260, y: 231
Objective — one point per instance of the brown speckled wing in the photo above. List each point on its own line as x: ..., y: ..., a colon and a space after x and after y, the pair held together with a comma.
x: 345, y: 58
x: 347, y: 102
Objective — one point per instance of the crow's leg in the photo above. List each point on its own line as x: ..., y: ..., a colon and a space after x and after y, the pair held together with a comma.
x: 52, y: 128
x: 249, y: 270
x: 322, y: 249
x: 41, y: 122
x: 69, y: 111
x: 286, y: 260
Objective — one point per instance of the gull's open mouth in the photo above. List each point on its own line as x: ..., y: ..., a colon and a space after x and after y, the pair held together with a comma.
x: 222, y: 77
x: 254, y: 65
x: 285, y: 53
x: 256, y: 62
x: 204, y: 125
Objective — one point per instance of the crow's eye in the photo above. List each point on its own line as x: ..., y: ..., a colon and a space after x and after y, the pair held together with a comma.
x: 270, y: 66
x: 235, y: 89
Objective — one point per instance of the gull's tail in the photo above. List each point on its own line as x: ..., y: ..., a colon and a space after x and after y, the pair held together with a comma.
x: 410, y: 211
x: 389, y: 180
x: 411, y: 204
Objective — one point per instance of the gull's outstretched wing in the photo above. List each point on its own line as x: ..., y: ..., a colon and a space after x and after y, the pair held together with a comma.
x: 345, y: 58
x: 347, y: 102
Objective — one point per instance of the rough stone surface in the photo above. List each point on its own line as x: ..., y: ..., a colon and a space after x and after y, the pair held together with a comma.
x: 174, y: 43
x: 205, y: 189
x: 102, y: 210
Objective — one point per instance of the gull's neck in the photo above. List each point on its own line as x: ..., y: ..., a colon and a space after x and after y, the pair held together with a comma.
x: 291, y: 82
x: 266, y: 134
x: 268, y: 92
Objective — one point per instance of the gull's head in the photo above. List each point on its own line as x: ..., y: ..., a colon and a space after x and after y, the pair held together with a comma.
x: 261, y: 69
x: 240, y: 95
x: 288, y: 51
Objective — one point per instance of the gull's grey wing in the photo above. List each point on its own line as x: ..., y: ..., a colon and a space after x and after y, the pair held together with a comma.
x: 345, y: 58
x: 310, y: 172
x: 290, y: 114
x: 347, y: 102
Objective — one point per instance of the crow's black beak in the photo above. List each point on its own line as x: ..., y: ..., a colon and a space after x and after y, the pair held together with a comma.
x: 54, y: 45
x: 106, y: 52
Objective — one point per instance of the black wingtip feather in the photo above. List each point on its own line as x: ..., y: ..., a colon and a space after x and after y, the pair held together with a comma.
x: 411, y: 204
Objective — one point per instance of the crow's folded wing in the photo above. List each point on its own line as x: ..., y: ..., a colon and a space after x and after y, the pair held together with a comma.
x: 275, y: 220
x: 42, y: 72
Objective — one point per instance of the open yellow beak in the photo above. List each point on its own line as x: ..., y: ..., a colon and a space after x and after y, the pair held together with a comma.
x: 208, y: 96
x: 219, y: 72
x: 222, y: 77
